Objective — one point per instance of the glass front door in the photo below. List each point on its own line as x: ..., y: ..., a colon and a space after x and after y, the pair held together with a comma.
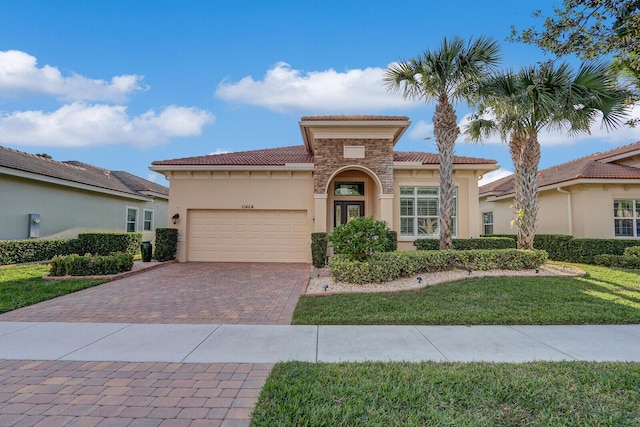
x: 344, y: 212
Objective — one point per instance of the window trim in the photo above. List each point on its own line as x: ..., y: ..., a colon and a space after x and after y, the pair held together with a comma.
x: 634, y: 218
x: 135, y: 222
x: 415, y: 216
x: 485, y: 224
x: 151, y: 221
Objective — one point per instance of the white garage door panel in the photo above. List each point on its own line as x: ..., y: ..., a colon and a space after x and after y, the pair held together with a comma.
x: 248, y: 235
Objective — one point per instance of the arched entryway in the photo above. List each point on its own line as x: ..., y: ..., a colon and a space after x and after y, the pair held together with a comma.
x: 352, y: 191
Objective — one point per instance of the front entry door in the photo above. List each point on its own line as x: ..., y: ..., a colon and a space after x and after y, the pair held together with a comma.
x: 344, y: 212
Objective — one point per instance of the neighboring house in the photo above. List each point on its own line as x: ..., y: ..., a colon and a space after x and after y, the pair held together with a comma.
x: 263, y: 205
x: 40, y: 198
x: 597, y: 196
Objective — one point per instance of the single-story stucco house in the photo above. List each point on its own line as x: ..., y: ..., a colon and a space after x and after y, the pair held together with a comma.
x: 45, y: 198
x: 596, y: 196
x: 263, y: 205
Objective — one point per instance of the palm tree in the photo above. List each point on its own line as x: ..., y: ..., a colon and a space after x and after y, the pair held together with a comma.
x: 518, y: 106
x: 447, y: 75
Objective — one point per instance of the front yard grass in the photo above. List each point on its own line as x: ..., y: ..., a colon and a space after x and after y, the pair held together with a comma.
x: 23, y: 285
x: 450, y: 394
x: 604, y: 296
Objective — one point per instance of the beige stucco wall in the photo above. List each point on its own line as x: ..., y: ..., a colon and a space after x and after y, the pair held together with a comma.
x: 65, y: 212
x: 591, y: 208
x: 259, y: 190
x: 466, y: 182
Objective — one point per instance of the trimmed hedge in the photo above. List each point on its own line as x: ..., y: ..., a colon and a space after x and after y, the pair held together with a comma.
x: 467, y: 244
x: 391, y: 244
x: 20, y: 251
x: 619, y: 261
x: 585, y: 250
x: 91, y: 265
x: 386, y: 266
x: 319, y: 245
x: 108, y: 243
x: 561, y: 247
x: 632, y: 251
x: 166, y: 244
x: 33, y: 250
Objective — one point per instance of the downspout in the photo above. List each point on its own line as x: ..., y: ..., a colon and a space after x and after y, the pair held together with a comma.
x: 569, y: 213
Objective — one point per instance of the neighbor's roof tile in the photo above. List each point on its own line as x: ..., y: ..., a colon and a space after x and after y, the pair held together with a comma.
x: 594, y: 166
x: 78, y: 172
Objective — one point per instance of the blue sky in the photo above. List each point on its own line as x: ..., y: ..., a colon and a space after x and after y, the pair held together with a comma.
x: 119, y: 84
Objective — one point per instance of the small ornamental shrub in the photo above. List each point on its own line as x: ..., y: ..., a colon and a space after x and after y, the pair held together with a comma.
x: 467, y: 244
x: 388, y: 266
x: 91, y: 265
x: 166, y: 244
x: 360, y: 237
x: 319, y: 249
x: 632, y: 251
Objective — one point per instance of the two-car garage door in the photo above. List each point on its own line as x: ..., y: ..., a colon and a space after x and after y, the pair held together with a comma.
x: 248, y: 236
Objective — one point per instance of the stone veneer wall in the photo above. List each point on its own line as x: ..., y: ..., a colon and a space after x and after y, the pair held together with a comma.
x: 329, y: 156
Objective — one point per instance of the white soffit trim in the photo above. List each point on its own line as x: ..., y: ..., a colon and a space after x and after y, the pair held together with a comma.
x: 72, y: 184
x: 391, y: 130
x: 420, y: 165
x: 194, y: 168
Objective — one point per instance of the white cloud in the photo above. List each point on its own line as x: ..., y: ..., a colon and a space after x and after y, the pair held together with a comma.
x: 421, y: 130
x: 290, y: 90
x: 80, y: 125
x: 219, y: 151
x: 494, y: 176
x: 19, y: 73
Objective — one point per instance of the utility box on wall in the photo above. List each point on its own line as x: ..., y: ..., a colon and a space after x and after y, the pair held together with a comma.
x: 34, y: 226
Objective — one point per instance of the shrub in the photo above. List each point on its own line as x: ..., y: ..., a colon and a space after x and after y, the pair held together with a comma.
x: 360, y: 237
x: 467, y: 244
x: 166, y: 244
x: 392, y: 241
x: 632, y: 251
x: 108, y: 243
x: 20, y: 251
x: 387, y: 266
x: 319, y: 249
x: 90, y: 265
x: 619, y: 261
x: 585, y: 250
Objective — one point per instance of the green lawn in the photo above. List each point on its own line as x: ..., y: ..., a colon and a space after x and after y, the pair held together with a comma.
x: 605, y: 296
x: 450, y: 394
x: 23, y: 285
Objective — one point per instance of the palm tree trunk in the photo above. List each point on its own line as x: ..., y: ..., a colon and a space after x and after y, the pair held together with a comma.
x: 528, y: 213
x: 515, y: 148
x: 446, y: 131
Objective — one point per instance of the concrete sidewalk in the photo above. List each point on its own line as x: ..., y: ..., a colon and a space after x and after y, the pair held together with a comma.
x: 272, y: 343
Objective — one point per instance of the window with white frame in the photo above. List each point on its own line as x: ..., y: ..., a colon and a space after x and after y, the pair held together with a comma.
x: 487, y: 222
x: 419, y: 212
x: 132, y: 220
x: 626, y: 218
x: 147, y: 220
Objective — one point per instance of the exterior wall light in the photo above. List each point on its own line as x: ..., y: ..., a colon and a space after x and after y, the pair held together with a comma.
x: 175, y: 218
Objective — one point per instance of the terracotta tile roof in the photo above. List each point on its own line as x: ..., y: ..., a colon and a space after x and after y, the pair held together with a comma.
x: 353, y: 118
x: 594, y: 166
x: 265, y: 157
x: 432, y: 159
x: 78, y: 172
x: 296, y: 154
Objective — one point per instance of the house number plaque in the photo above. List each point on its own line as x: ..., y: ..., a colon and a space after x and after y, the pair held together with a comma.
x: 247, y: 206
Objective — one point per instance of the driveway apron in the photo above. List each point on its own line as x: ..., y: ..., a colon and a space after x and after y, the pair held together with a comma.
x: 63, y: 393
x: 188, y: 293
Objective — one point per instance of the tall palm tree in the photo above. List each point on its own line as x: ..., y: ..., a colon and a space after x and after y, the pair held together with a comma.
x: 449, y: 74
x: 545, y: 96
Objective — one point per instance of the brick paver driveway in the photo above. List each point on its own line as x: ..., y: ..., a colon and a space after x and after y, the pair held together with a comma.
x: 190, y: 293
x: 61, y: 393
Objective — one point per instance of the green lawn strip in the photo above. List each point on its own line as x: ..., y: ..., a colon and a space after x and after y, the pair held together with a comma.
x: 605, y: 296
x: 21, y: 286
x: 450, y: 394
